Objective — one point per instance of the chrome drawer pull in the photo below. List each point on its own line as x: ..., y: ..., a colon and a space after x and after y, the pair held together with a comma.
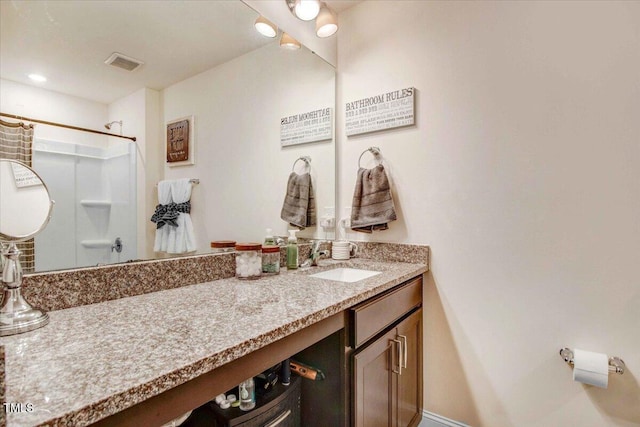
x: 280, y: 419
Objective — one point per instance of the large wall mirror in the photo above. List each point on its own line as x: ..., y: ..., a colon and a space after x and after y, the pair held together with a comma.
x: 203, y: 61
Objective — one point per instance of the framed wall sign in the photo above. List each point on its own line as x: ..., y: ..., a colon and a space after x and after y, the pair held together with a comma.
x: 180, y: 142
x: 310, y: 126
x: 380, y: 111
x: 24, y: 177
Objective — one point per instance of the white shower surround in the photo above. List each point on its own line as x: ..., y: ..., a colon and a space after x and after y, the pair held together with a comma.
x: 94, y: 190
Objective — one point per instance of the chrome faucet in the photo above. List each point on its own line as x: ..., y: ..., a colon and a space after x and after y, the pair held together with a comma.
x: 315, y: 254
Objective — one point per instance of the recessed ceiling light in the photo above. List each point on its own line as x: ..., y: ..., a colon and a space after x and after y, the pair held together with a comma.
x: 37, y: 78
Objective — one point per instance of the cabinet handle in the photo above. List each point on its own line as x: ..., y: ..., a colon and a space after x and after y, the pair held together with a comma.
x: 404, y: 351
x: 280, y: 419
x: 399, y: 347
x: 390, y: 347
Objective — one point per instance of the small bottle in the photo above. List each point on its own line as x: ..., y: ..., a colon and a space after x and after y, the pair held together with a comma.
x: 269, y: 240
x: 292, y: 251
x: 247, y: 393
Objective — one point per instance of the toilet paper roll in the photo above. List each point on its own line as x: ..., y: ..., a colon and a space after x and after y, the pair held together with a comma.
x: 591, y: 368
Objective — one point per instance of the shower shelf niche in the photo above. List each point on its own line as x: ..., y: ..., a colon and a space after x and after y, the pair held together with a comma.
x: 96, y: 203
x: 96, y: 244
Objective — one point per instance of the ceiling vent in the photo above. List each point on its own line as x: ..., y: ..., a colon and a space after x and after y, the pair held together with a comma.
x: 123, y: 61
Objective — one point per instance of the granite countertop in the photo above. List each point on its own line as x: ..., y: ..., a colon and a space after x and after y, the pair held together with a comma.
x: 95, y: 360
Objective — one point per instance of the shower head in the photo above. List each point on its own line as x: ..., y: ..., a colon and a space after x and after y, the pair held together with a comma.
x: 108, y: 125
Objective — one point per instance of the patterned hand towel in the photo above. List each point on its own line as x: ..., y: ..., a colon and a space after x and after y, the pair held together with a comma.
x: 372, y: 207
x: 299, y: 207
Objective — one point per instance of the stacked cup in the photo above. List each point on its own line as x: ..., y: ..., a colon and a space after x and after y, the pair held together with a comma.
x: 342, y: 249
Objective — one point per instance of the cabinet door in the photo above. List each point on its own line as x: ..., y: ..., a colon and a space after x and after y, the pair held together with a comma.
x: 375, y: 382
x: 409, y: 390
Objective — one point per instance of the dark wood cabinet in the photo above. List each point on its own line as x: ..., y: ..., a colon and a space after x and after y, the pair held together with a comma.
x: 374, y: 382
x: 387, y: 369
x: 409, y: 391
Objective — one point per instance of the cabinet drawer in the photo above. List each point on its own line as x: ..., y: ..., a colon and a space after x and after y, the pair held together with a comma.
x: 373, y: 316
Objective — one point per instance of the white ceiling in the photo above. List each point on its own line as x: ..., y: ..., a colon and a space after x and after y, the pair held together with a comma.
x: 68, y: 42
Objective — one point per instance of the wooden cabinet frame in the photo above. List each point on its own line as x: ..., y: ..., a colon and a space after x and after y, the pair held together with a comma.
x: 386, y: 364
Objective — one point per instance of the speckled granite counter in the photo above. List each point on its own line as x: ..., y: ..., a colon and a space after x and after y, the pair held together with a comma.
x: 93, y: 361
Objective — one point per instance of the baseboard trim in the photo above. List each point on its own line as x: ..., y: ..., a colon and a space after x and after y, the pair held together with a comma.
x: 429, y: 419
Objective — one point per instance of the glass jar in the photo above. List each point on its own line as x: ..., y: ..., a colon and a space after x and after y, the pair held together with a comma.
x: 222, y: 246
x: 270, y: 260
x: 248, y: 260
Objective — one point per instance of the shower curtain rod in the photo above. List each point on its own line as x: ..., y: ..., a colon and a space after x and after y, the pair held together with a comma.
x: 44, y: 122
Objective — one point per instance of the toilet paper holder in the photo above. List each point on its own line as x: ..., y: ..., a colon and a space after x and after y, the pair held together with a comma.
x: 616, y: 365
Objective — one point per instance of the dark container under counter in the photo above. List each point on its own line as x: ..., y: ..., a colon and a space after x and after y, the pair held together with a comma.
x: 280, y: 407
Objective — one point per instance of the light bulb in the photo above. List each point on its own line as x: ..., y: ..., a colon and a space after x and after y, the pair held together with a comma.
x: 307, y: 9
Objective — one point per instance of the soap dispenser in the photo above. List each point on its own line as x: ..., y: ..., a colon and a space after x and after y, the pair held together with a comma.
x: 269, y: 240
x: 292, y: 251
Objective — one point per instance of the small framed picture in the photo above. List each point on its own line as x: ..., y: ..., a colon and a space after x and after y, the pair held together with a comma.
x: 180, y: 142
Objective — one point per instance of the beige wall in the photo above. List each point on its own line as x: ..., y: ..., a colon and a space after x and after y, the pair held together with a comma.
x: 523, y: 174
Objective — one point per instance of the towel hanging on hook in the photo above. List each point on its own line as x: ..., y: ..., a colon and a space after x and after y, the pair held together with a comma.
x: 372, y: 207
x: 298, y: 208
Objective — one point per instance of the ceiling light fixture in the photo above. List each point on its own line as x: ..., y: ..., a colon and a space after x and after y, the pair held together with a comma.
x: 266, y: 27
x: 307, y: 10
x: 288, y: 42
x: 304, y: 9
x: 326, y: 22
x: 37, y: 78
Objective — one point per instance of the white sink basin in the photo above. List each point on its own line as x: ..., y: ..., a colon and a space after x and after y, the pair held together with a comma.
x: 348, y: 275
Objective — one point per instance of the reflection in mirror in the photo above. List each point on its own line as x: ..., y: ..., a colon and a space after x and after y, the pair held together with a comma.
x: 94, y: 189
x: 241, y: 161
x: 25, y: 209
x: 237, y: 97
x: 25, y: 205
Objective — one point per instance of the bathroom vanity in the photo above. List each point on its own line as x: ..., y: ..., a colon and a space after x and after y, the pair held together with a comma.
x: 147, y: 359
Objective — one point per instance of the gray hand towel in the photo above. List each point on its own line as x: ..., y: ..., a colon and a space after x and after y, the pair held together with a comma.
x: 372, y: 207
x: 299, y: 207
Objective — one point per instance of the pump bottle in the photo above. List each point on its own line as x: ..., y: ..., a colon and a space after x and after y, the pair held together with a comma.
x: 269, y: 240
x: 292, y: 251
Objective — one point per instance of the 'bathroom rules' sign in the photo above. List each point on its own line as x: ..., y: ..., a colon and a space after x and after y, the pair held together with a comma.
x: 311, y: 126
x: 382, y: 111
